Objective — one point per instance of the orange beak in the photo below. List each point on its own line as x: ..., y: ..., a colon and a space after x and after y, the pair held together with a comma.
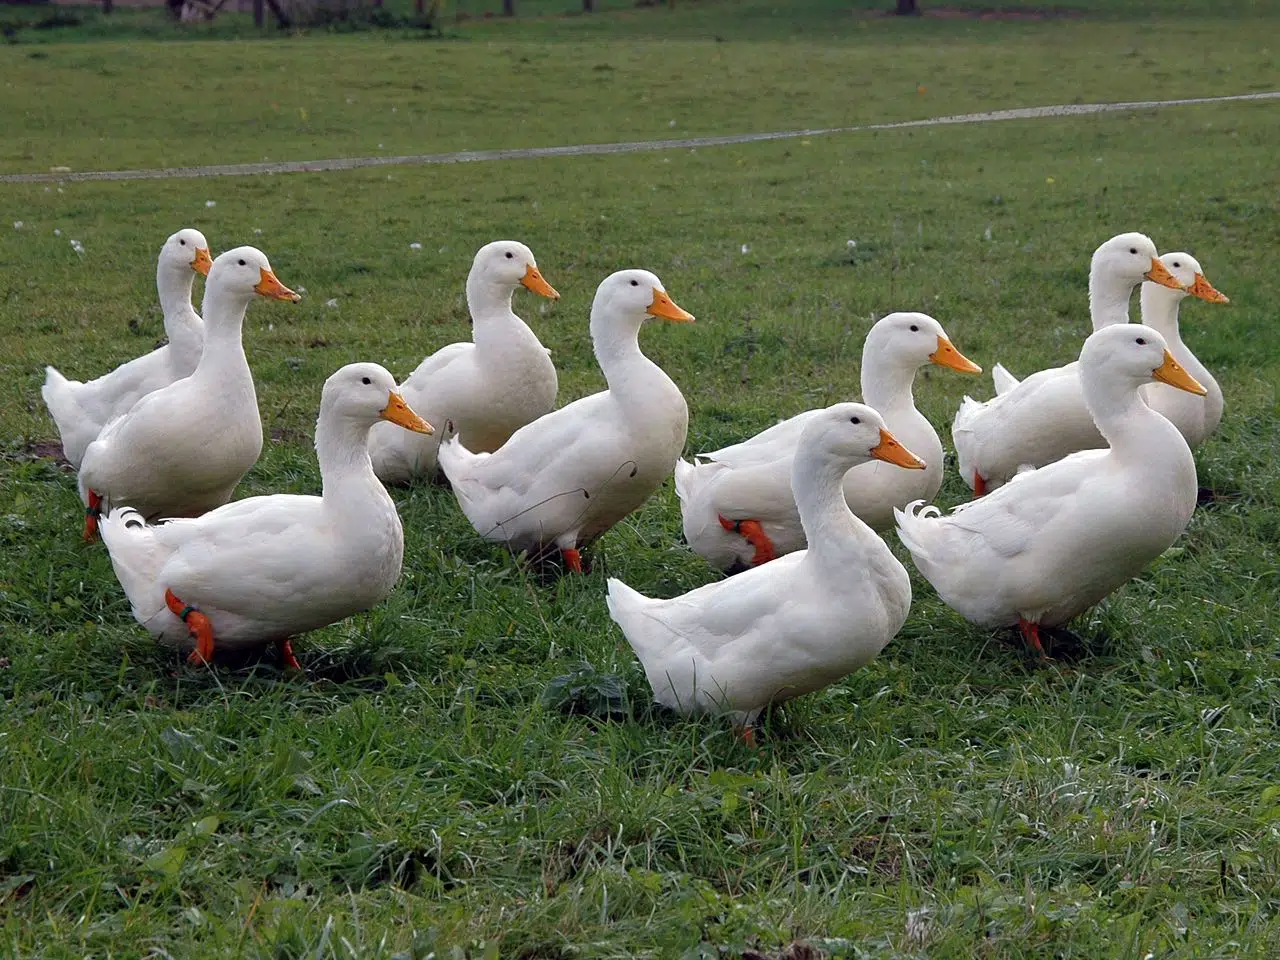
x: 532, y: 280
x: 1203, y: 289
x: 269, y: 286
x: 948, y: 356
x: 400, y: 413
x: 1160, y: 274
x: 663, y: 306
x: 202, y: 262
x: 1171, y: 372
x: 891, y: 451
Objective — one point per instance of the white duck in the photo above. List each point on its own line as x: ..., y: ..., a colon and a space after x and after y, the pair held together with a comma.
x: 489, y: 388
x: 791, y: 626
x: 1043, y: 418
x: 1054, y: 541
x: 738, y: 509
x: 181, y: 450
x: 1195, y: 417
x: 269, y: 568
x: 82, y: 409
x: 570, y: 475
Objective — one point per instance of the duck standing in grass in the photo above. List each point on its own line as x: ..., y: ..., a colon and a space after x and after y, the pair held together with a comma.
x: 1043, y: 418
x: 1054, y: 541
x: 570, y: 475
x: 82, y: 409
x: 266, y: 569
x: 794, y: 625
x: 738, y: 509
x: 488, y: 388
x: 1195, y: 417
x: 181, y: 450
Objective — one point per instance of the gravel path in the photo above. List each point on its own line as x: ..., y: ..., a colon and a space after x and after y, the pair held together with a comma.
x: 592, y: 149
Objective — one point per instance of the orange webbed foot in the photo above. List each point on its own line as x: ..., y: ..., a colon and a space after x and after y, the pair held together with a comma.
x: 572, y: 559
x: 287, y: 658
x: 199, y: 627
x: 754, y: 534
x: 1031, y: 633
x: 91, y: 514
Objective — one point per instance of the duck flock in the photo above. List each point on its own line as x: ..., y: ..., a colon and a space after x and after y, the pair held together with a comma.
x: 1083, y: 474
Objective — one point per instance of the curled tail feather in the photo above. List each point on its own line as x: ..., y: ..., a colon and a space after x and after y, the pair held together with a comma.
x: 138, y: 559
x: 913, y: 526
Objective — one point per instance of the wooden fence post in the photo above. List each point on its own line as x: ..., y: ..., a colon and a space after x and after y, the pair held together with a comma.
x: 259, y: 13
x: 508, y: 8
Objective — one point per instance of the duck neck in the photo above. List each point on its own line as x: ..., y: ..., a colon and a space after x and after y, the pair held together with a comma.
x: 886, y: 384
x: 1134, y: 431
x: 829, y: 525
x: 617, y: 349
x: 1160, y: 312
x: 173, y: 284
x: 223, y: 356
x: 493, y: 323
x: 346, y: 472
x: 1108, y: 299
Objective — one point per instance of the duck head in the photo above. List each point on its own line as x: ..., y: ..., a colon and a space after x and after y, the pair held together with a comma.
x: 246, y: 272
x: 186, y: 250
x: 506, y: 264
x: 363, y: 394
x: 852, y: 433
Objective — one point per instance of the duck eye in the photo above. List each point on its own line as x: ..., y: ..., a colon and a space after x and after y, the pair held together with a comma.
x: 1141, y: 341
x: 914, y: 328
x: 1133, y: 250
x: 854, y: 420
x: 635, y: 283
x: 366, y: 381
x: 182, y: 243
x: 1176, y: 263
x: 241, y: 262
x: 510, y: 255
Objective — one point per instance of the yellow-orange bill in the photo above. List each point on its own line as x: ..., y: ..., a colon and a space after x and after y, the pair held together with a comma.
x: 891, y: 451
x: 948, y: 356
x: 269, y: 286
x: 532, y: 280
x: 400, y: 413
x: 1171, y: 372
x: 202, y: 262
x: 1160, y: 274
x: 663, y: 306
x: 1203, y: 289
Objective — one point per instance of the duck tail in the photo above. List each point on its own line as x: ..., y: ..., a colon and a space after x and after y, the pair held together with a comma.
x: 626, y: 607
x: 686, y: 476
x: 1003, y: 379
x: 59, y: 396
x: 915, y: 525
x: 138, y: 558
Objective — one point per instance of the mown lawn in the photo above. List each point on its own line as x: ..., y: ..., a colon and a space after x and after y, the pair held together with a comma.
x: 419, y: 790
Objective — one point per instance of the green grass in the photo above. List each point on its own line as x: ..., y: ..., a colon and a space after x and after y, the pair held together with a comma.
x: 413, y: 793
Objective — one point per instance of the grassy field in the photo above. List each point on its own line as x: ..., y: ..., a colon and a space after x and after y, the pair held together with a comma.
x: 425, y: 789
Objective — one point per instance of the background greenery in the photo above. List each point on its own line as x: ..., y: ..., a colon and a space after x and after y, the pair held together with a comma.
x: 425, y: 787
